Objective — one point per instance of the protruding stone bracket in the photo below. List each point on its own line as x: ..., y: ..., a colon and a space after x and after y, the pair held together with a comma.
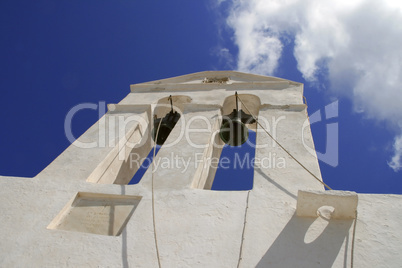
x: 328, y: 204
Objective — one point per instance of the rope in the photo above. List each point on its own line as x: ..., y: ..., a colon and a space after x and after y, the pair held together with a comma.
x: 256, y: 119
x: 244, y: 229
x: 353, y: 242
x: 153, y: 197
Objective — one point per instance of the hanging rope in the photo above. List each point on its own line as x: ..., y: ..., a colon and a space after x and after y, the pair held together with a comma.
x: 153, y: 197
x: 256, y: 119
x: 353, y: 242
x: 244, y: 229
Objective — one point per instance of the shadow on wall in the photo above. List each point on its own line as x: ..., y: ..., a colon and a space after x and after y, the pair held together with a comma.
x: 303, y: 243
x: 276, y: 184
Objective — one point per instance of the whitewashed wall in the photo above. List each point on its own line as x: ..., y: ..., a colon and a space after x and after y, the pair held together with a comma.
x: 197, y: 227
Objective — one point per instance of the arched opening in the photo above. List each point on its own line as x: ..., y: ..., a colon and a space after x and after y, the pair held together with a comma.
x: 131, y: 156
x: 230, y: 168
x: 166, y: 114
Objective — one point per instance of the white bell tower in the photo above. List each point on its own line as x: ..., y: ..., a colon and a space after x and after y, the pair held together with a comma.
x: 117, y: 198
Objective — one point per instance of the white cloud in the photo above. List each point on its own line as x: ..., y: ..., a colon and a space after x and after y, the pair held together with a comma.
x: 396, y: 160
x: 226, y: 58
x: 359, y: 41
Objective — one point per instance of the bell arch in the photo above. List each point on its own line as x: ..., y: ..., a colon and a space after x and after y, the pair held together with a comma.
x: 209, y: 176
x: 166, y: 113
x: 135, y: 143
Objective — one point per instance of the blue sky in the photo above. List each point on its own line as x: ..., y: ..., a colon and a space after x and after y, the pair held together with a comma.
x: 57, y: 54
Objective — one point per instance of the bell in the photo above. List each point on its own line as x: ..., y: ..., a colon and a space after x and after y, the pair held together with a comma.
x: 167, y: 125
x: 234, y: 132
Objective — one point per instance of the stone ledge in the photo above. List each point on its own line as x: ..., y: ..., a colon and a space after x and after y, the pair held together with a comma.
x: 337, y: 204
